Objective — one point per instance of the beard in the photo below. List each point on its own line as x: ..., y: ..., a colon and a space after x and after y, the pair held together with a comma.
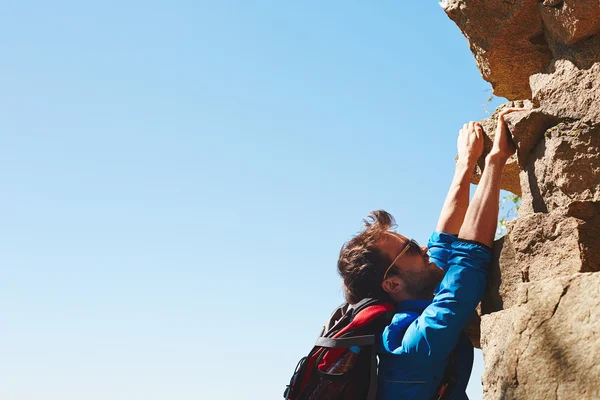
x: 422, y: 285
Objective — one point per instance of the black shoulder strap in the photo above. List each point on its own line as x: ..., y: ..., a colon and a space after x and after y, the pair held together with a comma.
x: 372, y: 395
x: 364, y: 303
x: 449, y: 381
x: 337, y: 314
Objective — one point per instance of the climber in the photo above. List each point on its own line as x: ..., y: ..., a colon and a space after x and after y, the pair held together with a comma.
x: 435, y: 289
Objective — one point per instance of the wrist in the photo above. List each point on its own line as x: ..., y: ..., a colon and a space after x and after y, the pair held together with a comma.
x: 463, y: 173
x: 465, y: 164
x: 496, y: 159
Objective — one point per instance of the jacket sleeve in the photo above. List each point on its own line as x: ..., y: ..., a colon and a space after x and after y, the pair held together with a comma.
x: 435, y: 332
x: 440, y: 247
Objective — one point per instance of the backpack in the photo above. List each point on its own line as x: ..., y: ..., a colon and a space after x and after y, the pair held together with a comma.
x: 357, y: 327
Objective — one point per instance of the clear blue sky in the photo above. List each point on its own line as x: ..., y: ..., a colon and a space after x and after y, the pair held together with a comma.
x: 178, y: 178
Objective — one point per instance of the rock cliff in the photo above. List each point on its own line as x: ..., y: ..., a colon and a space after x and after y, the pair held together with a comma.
x: 540, y: 318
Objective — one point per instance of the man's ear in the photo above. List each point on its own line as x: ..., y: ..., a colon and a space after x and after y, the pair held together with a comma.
x: 393, y: 284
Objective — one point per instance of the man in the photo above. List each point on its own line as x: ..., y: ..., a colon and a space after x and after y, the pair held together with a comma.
x: 436, y: 288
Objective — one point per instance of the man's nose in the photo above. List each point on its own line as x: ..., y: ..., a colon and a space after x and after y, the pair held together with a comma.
x: 424, y: 250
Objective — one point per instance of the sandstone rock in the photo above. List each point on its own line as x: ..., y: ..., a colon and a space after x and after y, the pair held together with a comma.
x: 567, y: 92
x: 512, y: 40
x: 503, y: 277
x: 473, y: 330
x: 585, y: 210
x: 527, y: 128
x: 564, y: 167
x: 556, y: 244
x: 542, y: 246
x: 548, y: 346
x: 507, y: 40
x: 572, y: 20
x: 583, y: 54
x: 552, y: 3
x: 496, y: 339
x: 540, y: 330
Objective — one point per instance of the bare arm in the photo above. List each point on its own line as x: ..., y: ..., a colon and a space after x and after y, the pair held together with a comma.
x: 470, y: 146
x: 481, y: 219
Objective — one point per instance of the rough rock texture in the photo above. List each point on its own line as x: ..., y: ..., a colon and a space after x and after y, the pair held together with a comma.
x: 564, y: 167
x: 514, y: 39
x: 540, y: 329
x: 572, y: 20
x: 562, y: 119
x: 473, y: 329
x: 548, y: 345
x: 503, y: 277
x: 527, y: 128
x: 541, y: 246
x: 583, y: 54
x: 568, y: 92
x: 497, y: 331
x: 507, y: 40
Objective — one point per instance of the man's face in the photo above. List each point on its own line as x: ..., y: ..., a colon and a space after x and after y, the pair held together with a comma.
x: 419, y: 274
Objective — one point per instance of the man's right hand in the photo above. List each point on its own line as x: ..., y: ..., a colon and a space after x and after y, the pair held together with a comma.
x: 470, y: 143
x: 503, y: 146
x: 482, y: 215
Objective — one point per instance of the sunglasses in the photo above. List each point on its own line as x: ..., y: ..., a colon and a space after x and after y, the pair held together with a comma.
x: 412, y: 244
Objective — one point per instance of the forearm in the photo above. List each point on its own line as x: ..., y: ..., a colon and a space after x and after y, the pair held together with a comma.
x: 457, y: 200
x: 481, y: 219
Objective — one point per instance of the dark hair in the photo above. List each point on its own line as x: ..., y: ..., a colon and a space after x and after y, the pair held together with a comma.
x: 361, y: 264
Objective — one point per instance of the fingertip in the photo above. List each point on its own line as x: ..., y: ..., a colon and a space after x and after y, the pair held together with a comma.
x: 478, y: 131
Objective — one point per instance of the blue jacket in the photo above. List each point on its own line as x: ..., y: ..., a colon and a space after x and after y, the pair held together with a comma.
x: 417, y: 343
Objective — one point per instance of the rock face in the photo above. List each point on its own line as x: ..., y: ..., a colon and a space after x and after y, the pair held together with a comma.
x: 572, y: 20
x: 540, y: 317
x: 548, y: 345
x: 507, y: 40
x: 513, y: 40
x: 568, y: 92
x: 564, y: 167
x: 542, y: 246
